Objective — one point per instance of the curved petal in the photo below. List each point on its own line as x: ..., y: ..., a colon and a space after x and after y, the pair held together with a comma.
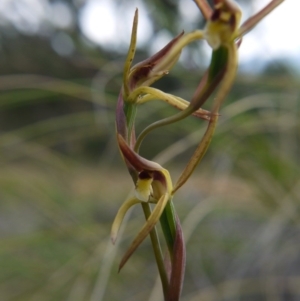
x: 148, y: 226
x: 175, y: 101
x: 137, y: 161
x: 120, y: 216
x: 149, y: 70
x: 206, y: 139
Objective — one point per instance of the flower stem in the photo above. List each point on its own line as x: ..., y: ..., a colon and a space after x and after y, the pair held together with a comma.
x: 157, y: 251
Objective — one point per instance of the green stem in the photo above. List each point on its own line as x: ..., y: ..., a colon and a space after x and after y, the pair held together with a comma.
x: 157, y: 251
x: 130, y: 112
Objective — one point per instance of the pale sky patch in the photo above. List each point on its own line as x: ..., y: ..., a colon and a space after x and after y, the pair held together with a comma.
x: 275, y: 37
x: 109, y: 25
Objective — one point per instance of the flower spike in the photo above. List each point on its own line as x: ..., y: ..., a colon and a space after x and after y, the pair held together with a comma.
x: 152, y: 182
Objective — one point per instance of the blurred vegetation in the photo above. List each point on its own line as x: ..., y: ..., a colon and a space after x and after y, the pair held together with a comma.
x: 61, y: 178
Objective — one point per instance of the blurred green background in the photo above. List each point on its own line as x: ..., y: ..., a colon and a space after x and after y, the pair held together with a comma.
x: 62, y: 179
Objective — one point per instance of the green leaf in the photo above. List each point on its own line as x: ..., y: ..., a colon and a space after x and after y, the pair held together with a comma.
x: 168, y: 224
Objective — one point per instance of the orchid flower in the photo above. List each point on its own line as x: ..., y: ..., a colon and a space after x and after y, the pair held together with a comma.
x: 153, y: 185
x: 137, y: 80
x: 224, y: 34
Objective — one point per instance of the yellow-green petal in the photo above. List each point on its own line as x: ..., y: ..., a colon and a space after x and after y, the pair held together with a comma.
x: 120, y: 216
